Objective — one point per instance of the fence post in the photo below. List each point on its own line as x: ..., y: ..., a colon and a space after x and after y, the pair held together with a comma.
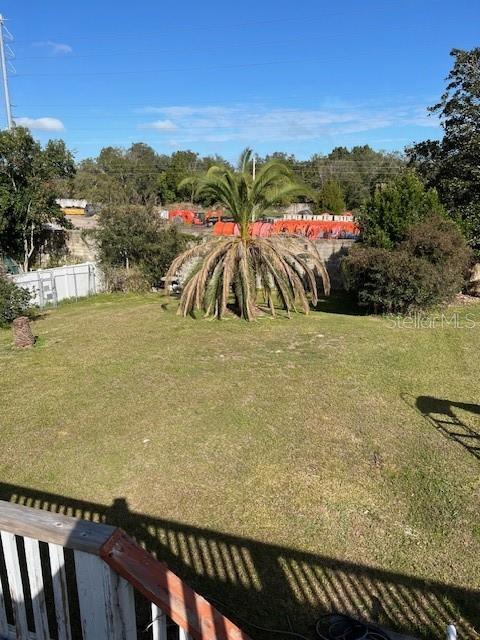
x: 74, y: 272
x: 92, y: 287
x: 53, y: 284
x: 41, y: 297
x: 94, y: 271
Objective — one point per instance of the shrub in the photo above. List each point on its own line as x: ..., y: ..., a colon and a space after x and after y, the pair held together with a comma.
x: 14, y: 301
x: 120, y: 279
x: 427, y: 268
x: 440, y: 241
x: 390, y: 281
x: 170, y: 243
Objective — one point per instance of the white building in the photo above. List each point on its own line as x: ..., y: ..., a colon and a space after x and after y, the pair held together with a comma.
x: 346, y: 216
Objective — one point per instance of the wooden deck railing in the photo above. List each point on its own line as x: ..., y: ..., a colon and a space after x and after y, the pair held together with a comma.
x: 65, y: 578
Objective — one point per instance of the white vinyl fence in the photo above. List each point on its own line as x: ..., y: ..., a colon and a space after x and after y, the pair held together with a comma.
x: 49, y: 286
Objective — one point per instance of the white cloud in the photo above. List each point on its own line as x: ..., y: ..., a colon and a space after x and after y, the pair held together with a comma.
x: 159, y: 125
x: 245, y: 123
x: 40, y: 124
x: 55, y: 48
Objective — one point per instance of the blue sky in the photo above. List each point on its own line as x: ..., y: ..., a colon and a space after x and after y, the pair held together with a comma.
x: 302, y: 77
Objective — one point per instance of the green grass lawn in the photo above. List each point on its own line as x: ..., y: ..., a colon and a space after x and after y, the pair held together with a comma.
x: 285, y: 468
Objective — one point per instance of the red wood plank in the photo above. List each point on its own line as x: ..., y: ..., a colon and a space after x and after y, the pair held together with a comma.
x: 170, y: 593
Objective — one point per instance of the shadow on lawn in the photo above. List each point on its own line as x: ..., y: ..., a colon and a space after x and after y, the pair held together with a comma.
x: 441, y: 413
x: 339, y: 302
x: 274, y: 586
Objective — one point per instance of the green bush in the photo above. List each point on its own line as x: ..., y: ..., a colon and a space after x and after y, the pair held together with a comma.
x: 135, y: 236
x: 394, y: 207
x: 440, y: 242
x: 169, y: 244
x: 427, y: 268
x: 390, y: 281
x: 14, y: 301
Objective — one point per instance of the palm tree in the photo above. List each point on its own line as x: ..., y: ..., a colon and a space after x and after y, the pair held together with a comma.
x: 242, y: 265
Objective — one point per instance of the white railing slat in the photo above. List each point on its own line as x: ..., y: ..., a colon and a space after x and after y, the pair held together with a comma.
x: 107, y: 607
x: 12, y: 564
x: 94, y: 601
x: 37, y: 590
x: 3, y: 614
x: 159, y: 623
x: 101, y: 556
x: 123, y: 607
x: 60, y: 594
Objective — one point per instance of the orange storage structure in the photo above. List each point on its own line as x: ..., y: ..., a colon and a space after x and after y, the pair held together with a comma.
x: 186, y: 215
x: 312, y: 229
x: 230, y: 229
x: 261, y: 229
x: 225, y: 229
x: 265, y: 230
x: 218, y: 229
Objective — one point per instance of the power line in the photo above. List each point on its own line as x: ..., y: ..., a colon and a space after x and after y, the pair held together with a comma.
x: 179, y: 28
x: 259, y: 102
x: 243, y: 65
x: 304, y: 167
x: 126, y: 52
x: 185, y: 47
x: 152, y: 173
x: 244, y: 127
x: 218, y: 28
x: 200, y: 111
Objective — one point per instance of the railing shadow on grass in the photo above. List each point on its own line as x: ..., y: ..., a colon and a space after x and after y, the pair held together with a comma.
x: 254, y: 582
x: 443, y: 415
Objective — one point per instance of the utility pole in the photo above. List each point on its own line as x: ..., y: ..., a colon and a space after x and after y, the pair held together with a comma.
x: 254, y: 166
x: 6, y: 92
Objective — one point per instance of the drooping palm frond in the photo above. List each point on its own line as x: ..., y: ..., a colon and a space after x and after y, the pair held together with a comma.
x: 228, y: 271
x: 224, y: 270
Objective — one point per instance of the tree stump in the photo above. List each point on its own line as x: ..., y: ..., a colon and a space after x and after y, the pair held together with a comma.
x: 22, y: 333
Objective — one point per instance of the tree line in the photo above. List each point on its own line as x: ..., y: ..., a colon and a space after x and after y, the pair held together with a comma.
x: 32, y: 176
x: 138, y: 175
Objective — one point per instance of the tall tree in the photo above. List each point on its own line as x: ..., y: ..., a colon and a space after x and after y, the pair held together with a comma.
x: 28, y: 178
x: 120, y: 177
x: 143, y: 166
x: 182, y: 165
x: 395, y: 207
x: 356, y: 170
x: 452, y: 165
x: 330, y: 197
